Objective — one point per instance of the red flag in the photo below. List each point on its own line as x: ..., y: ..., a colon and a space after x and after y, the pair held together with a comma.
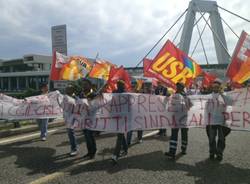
x: 238, y: 70
x: 171, y: 65
x: 115, y: 75
x: 146, y: 64
x: 208, y: 79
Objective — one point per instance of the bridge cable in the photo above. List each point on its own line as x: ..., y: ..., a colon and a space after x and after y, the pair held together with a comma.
x: 229, y: 27
x: 193, y: 25
x: 200, y: 38
x: 234, y: 14
x: 162, y: 37
x: 178, y: 32
x: 217, y: 37
x: 202, y: 44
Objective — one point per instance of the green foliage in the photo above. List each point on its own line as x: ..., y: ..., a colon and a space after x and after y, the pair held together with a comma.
x: 27, y: 93
x: 30, y: 92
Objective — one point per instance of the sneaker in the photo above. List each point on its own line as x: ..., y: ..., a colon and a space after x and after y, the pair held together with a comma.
x: 211, y: 156
x: 183, y: 152
x: 140, y: 141
x: 89, y: 156
x: 219, y: 158
x: 43, y: 138
x: 171, y: 155
x: 86, y: 156
x: 114, y: 159
x: 124, y: 153
x: 73, y: 153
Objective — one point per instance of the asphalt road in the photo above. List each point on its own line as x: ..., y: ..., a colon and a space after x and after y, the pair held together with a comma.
x: 29, y: 160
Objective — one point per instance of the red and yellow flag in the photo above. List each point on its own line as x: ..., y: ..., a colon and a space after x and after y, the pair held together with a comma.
x: 239, y: 68
x: 101, y: 70
x: 69, y: 68
x: 171, y: 65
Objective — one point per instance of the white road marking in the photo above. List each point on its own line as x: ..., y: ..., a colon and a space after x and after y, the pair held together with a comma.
x: 18, y: 138
x: 47, y: 178
x: 150, y: 133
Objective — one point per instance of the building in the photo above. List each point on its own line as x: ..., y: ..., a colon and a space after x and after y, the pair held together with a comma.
x: 27, y: 72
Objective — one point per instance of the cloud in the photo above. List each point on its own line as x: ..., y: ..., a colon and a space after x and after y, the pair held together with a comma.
x: 121, y: 31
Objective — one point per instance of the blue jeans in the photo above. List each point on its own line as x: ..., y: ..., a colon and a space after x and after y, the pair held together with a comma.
x: 43, y: 126
x: 72, y: 139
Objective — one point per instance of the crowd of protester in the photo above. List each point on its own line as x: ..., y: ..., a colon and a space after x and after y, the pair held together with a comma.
x: 85, y: 89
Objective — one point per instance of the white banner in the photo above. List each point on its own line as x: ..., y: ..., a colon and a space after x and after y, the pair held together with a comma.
x: 131, y: 111
x: 35, y: 107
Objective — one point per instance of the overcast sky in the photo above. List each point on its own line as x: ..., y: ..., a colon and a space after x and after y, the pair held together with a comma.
x: 122, y: 31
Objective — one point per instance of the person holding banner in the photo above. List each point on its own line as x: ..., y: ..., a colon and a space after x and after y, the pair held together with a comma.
x: 182, y: 100
x: 43, y: 123
x: 217, y: 148
x: 70, y: 122
x: 146, y: 90
x: 161, y: 90
x: 121, y: 141
x: 87, y: 92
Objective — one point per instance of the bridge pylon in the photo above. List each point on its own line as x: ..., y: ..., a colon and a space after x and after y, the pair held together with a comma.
x: 201, y: 6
